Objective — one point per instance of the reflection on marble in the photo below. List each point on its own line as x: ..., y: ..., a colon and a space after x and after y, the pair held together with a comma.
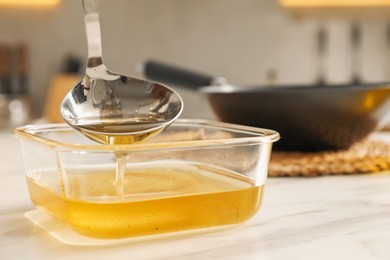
x: 339, y: 217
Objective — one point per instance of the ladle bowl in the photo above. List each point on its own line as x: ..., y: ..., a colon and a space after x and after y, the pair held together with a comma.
x: 113, y: 108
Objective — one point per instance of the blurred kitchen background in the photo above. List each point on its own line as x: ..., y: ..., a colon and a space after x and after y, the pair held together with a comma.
x: 250, y: 42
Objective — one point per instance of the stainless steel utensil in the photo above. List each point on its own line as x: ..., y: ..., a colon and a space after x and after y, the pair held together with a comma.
x: 108, y: 103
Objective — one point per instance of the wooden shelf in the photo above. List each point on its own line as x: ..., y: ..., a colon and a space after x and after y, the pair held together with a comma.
x: 345, y: 9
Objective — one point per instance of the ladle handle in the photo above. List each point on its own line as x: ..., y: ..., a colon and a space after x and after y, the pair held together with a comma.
x: 92, y: 26
x: 161, y: 72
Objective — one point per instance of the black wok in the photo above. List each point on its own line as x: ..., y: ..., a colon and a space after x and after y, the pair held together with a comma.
x: 308, y: 118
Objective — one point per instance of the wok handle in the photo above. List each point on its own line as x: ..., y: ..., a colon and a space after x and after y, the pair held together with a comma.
x: 165, y: 73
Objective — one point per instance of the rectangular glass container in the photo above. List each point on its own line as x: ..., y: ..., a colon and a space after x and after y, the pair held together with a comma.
x: 195, y: 174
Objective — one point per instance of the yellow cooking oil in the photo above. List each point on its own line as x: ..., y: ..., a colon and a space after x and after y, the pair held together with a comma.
x: 120, y: 131
x: 155, y: 200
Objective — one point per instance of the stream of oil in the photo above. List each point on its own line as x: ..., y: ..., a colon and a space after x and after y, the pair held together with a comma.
x: 119, y: 132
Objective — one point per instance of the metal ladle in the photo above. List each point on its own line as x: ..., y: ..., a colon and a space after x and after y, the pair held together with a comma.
x: 112, y: 108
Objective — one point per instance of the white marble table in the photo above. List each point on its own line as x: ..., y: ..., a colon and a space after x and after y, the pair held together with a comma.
x: 341, y: 217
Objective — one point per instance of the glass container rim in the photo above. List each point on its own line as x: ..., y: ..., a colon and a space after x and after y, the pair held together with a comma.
x: 259, y: 136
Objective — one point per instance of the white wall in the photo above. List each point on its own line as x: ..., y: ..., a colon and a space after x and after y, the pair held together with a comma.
x: 240, y: 40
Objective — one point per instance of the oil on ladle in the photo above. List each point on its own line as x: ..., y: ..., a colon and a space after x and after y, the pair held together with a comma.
x: 115, y: 109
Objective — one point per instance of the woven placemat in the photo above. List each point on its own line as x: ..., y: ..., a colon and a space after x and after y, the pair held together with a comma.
x: 365, y: 157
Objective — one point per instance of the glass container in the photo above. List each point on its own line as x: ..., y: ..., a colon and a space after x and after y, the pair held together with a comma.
x: 196, y: 174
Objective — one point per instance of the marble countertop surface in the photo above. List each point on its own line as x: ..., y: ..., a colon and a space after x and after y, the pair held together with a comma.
x: 335, y: 217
